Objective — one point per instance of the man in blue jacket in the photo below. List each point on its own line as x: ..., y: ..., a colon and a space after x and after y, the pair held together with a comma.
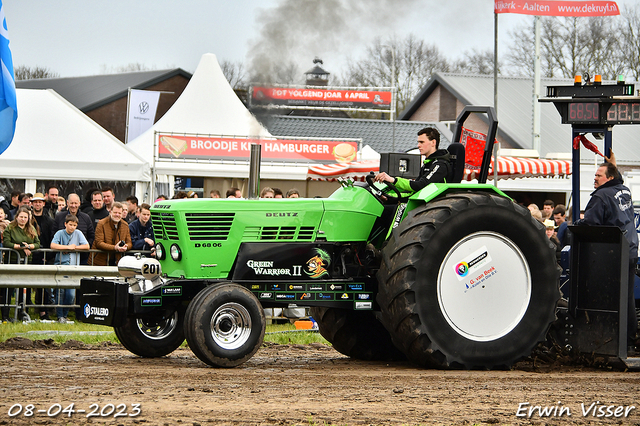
x: 141, y: 230
x: 611, y: 205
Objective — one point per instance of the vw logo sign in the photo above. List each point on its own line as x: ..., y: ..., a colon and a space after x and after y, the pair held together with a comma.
x: 143, y: 107
x: 87, y: 310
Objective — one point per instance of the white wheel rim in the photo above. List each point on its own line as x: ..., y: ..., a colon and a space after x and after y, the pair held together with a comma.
x: 490, y: 298
x: 159, y: 330
x: 231, y: 326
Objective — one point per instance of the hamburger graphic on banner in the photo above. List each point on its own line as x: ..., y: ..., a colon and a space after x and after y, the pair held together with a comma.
x: 223, y: 148
x: 344, y: 152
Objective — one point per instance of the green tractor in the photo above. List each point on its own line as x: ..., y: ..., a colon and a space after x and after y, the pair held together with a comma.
x: 453, y: 276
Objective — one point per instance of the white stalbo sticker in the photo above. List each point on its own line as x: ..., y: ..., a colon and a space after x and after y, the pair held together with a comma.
x: 471, y: 264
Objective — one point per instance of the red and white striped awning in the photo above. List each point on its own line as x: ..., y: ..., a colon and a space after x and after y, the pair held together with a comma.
x: 356, y: 170
x: 508, y: 168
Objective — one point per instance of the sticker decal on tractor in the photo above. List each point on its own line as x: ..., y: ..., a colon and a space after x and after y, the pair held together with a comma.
x: 401, y: 208
x: 285, y: 296
x: 324, y: 296
x: 265, y: 267
x: 482, y: 277
x: 151, y: 301
x: 472, y: 264
x: 172, y: 291
x: 98, y: 313
x: 316, y: 267
x: 305, y: 296
x: 363, y: 305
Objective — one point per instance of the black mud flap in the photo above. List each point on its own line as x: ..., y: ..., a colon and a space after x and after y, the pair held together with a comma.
x: 103, y: 302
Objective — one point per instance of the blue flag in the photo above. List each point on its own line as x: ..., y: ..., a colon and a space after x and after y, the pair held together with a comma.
x: 8, y: 104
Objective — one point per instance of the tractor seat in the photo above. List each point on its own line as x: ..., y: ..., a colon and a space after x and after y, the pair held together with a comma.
x: 456, y: 150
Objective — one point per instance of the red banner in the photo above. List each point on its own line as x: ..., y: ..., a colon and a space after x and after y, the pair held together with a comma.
x: 320, y: 97
x: 307, y: 151
x: 558, y: 8
x: 474, y: 143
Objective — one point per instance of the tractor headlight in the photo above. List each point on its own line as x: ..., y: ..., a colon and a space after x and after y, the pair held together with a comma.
x: 160, y: 253
x: 175, y: 252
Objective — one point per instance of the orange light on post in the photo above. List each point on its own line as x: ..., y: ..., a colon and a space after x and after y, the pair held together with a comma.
x: 597, y: 79
x: 577, y: 80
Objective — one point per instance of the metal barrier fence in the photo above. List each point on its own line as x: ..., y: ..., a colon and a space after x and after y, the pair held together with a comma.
x: 44, y: 278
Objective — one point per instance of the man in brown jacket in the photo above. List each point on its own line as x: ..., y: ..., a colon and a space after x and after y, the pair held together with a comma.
x: 112, y: 236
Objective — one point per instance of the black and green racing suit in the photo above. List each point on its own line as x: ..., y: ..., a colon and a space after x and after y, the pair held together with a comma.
x: 436, y: 169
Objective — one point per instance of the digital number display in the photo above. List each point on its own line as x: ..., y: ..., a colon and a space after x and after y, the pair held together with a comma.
x: 623, y: 112
x: 584, y: 112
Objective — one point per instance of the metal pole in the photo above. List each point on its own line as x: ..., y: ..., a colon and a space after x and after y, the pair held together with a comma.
x: 536, y: 87
x: 495, y: 94
x: 254, y: 171
x: 575, y: 176
x: 153, y: 168
x: 126, y: 127
x: 394, y: 94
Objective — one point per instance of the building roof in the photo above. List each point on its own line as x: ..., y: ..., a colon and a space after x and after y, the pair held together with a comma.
x: 378, y: 134
x: 90, y: 92
x: 515, y: 114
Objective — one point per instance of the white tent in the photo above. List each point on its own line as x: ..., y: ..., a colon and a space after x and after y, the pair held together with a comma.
x: 209, y: 106
x: 56, y: 141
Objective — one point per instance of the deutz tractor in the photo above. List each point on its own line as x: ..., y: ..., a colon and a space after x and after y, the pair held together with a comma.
x: 453, y: 276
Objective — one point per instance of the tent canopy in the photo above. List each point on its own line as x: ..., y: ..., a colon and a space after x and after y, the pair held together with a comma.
x: 208, y: 106
x: 54, y: 140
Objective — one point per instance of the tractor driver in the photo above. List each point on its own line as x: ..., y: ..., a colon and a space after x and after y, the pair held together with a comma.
x: 436, y: 168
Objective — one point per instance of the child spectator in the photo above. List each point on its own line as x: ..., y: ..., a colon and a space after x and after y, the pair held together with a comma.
x: 267, y: 193
x: 67, y: 239
x: 293, y: 193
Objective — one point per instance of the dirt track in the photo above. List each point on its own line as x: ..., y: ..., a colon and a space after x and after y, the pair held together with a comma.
x: 294, y: 385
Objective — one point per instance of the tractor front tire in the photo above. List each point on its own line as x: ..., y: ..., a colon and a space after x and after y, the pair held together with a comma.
x: 152, y: 337
x: 468, y: 280
x: 224, y: 325
x: 357, y: 334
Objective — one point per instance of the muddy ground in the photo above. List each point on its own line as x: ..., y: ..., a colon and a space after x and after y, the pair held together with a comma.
x: 296, y: 385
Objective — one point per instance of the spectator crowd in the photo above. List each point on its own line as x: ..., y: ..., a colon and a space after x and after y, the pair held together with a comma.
x: 69, y: 227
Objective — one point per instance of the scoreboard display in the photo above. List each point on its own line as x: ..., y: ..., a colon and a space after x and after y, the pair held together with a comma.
x: 623, y: 113
x: 600, y: 113
x: 583, y: 112
x: 595, y: 105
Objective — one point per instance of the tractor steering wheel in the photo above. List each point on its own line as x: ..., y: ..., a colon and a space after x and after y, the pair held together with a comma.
x: 376, y: 192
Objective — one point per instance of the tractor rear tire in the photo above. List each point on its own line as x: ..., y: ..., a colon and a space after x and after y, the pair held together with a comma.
x: 224, y: 325
x: 468, y: 281
x: 357, y: 334
x: 152, y: 337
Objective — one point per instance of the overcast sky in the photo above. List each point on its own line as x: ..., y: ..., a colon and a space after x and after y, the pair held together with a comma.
x: 83, y: 37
